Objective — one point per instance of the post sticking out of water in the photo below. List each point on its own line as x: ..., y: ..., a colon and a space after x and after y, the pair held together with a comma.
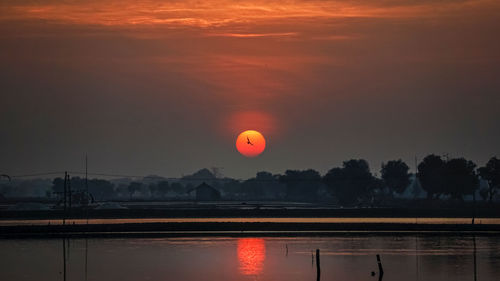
x: 475, y: 262
x: 64, y: 259
x: 318, y: 267
x: 380, y: 269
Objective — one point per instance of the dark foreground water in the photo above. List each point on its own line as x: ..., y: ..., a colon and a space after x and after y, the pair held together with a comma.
x: 346, y: 258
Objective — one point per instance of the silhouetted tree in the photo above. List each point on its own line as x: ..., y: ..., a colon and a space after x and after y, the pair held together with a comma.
x: 134, y: 187
x: 101, y: 189
x: 162, y: 188
x: 352, y: 182
x: 230, y: 188
x: 264, y: 186
x: 264, y: 176
x: 159, y: 189
x: 177, y: 188
x: 58, y: 185
x: 153, y: 190
x: 491, y: 173
x: 252, y: 189
x: 395, y: 175
x: 98, y: 188
x: 202, y: 176
x: 301, y: 185
x: 272, y: 187
x: 5, y: 189
x: 377, y: 190
x: 460, y: 178
x: 485, y: 193
x: 430, y: 173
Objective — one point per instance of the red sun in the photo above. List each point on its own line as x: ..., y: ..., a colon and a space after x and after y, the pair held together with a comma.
x: 250, y: 143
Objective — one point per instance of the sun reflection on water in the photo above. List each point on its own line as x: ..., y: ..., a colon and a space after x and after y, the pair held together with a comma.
x: 251, y: 255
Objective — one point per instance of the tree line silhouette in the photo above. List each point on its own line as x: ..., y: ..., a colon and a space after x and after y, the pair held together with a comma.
x: 350, y: 184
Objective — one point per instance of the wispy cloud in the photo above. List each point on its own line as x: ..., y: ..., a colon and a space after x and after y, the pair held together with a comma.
x: 222, y: 12
x: 253, y: 35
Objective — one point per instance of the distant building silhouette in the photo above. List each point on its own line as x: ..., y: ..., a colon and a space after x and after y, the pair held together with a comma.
x: 205, y: 192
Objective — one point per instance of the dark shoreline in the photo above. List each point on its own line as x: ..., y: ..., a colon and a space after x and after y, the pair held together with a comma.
x: 238, y: 229
x: 214, y: 212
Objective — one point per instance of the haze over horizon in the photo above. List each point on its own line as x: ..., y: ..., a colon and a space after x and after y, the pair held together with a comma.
x: 165, y: 87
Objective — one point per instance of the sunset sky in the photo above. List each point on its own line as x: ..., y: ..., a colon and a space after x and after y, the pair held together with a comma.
x: 165, y: 87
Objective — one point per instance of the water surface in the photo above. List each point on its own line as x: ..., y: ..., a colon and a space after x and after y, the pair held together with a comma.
x: 351, y: 257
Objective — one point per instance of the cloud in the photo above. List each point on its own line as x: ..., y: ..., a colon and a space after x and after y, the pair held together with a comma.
x: 216, y: 13
x: 340, y: 78
x: 253, y: 35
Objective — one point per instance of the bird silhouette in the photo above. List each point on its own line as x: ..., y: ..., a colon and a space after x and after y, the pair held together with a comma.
x: 248, y: 141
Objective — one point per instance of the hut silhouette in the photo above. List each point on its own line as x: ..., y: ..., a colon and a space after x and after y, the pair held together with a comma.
x: 205, y: 192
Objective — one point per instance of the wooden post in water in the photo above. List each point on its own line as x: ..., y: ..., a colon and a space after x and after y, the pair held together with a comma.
x: 86, y: 256
x: 64, y: 258
x: 380, y: 269
x: 416, y: 255
x: 475, y: 262
x: 318, y: 267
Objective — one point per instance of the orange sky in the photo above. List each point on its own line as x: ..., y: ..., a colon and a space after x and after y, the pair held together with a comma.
x: 323, y: 80
x: 219, y: 14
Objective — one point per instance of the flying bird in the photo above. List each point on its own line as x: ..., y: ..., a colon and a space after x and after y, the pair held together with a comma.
x: 249, y: 142
x: 5, y: 176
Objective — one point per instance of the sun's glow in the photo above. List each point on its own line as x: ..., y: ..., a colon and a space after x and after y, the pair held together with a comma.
x: 251, y: 255
x: 250, y: 143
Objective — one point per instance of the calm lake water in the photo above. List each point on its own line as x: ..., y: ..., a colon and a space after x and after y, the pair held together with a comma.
x: 352, y: 257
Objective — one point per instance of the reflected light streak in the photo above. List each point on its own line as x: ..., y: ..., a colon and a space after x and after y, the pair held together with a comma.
x: 251, y: 255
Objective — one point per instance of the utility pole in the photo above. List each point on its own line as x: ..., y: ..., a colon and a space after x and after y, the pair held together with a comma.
x: 86, y: 176
x: 65, y: 194
x: 87, y: 194
x: 69, y: 193
x: 473, y: 206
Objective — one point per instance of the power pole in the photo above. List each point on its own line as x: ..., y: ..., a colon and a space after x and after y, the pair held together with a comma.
x: 86, y: 177
x: 69, y: 193
x: 65, y: 194
x: 87, y: 195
